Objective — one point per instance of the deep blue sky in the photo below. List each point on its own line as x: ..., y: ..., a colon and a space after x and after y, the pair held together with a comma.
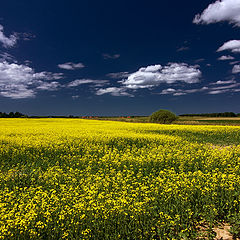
x: 102, y: 37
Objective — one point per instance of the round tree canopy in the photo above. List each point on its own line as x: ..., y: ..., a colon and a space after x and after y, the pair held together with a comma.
x: 163, y: 116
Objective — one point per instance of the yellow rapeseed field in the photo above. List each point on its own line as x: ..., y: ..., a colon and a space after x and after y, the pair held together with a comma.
x: 90, y: 179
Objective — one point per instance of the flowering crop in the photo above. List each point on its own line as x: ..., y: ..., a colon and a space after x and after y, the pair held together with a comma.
x: 90, y: 179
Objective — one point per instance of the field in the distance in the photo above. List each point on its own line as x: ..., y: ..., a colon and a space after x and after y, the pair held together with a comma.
x: 226, y: 121
x: 92, y: 179
x: 234, y: 121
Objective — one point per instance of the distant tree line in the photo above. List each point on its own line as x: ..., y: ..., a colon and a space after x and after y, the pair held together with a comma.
x: 20, y: 115
x: 224, y: 114
x: 12, y: 115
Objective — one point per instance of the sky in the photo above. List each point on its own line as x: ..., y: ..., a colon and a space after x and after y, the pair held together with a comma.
x: 119, y: 57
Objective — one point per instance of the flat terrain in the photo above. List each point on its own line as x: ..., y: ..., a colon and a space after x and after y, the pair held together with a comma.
x: 230, y: 121
x: 234, y: 121
x: 93, y: 179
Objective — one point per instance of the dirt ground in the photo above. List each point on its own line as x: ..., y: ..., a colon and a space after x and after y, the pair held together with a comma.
x: 223, y: 233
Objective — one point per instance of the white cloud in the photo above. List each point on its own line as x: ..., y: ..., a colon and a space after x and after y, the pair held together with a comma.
x: 48, y: 86
x: 71, y: 66
x: 223, y: 58
x: 234, y: 85
x: 236, y: 69
x: 114, y: 91
x: 21, y: 81
x: 207, y: 90
x: 118, y: 75
x: 79, y: 82
x: 173, y: 91
x: 28, y: 62
x: 223, y: 82
x: 25, y: 36
x: 16, y: 91
x: 7, y: 41
x: 214, y: 92
x: 11, y: 41
x: 6, y: 56
x: 182, y: 49
x: 199, y: 60
x: 232, y: 45
x: 48, y: 75
x: 233, y: 63
x: 236, y: 90
x: 179, y: 92
x: 154, y: 75
x: 221, y: 10
x: 224, y: 89
x: 75, y: 97
x: 168, y: 91
x: 109, y: 56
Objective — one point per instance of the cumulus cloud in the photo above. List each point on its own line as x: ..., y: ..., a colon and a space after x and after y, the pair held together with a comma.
x: 21, y: 81
x: 223, y: 58
x: 232, y: 45
x: 7, y: 42
x: 236, y: 69
x: 79, y: 82
x: 109, y: 56
x: 154, y: 75
x: 71, y: 66
x: 221, y: 10
x: 114, y: 91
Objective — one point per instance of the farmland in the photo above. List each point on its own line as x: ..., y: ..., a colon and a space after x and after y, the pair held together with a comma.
x: 93, y: 179
x: 230, y: 121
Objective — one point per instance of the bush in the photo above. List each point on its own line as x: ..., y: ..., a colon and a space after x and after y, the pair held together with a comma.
x: 163, y: 116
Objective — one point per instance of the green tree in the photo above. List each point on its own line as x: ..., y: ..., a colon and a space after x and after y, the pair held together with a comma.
x: 163, y: 116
